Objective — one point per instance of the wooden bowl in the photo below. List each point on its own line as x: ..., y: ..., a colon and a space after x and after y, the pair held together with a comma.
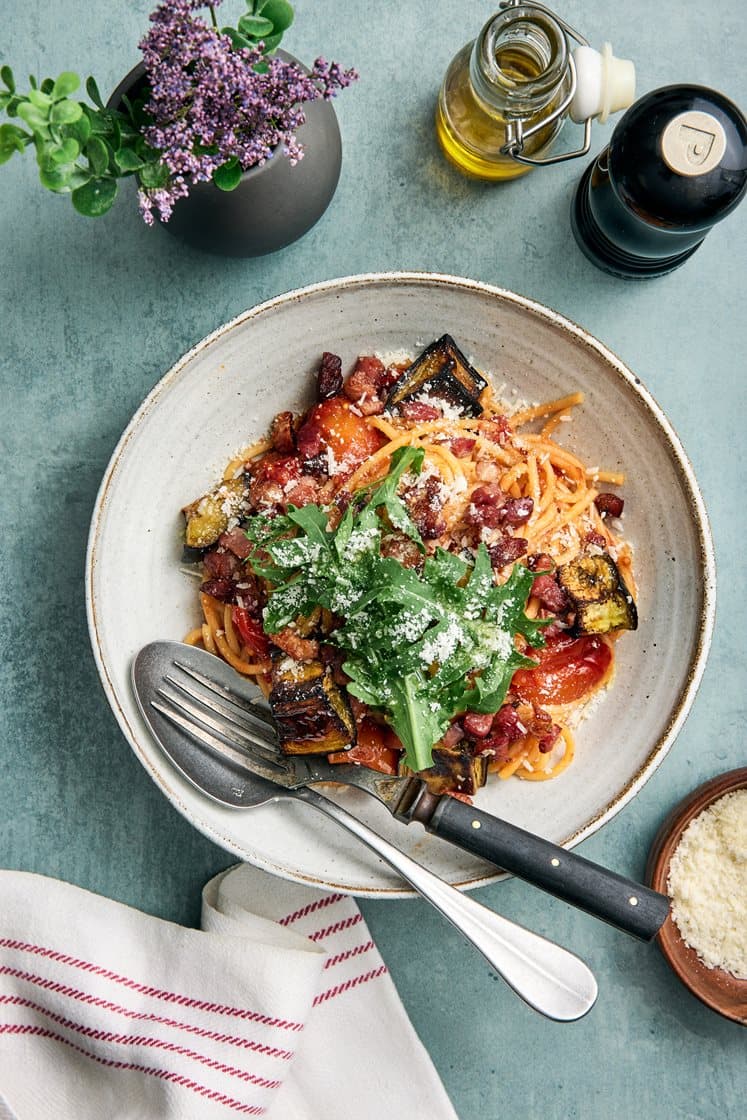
x: 717, y: 989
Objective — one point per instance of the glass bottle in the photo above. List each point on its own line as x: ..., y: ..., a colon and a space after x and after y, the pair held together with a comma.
x: 514, y: 71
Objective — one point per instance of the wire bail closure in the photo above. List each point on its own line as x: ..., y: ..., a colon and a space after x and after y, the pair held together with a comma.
x: 516, y: 134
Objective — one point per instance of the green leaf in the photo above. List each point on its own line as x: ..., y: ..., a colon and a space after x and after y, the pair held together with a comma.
x: 238, y: 40
x: 97, y: 155
x: 7, y: 76
x: 36, y: 120
x: 271, y: 42
x: 47, y: 86
x: 12, y: 140
x: 66, y: 83
x: 279, y: 12
x: 95, y: 198
x: 79, y: 130
x: 228, y: 176
x: 66, y: 152
x: 99, y: 120
x: 93, y: 92
x: 57, y: 179
x: 42, y: 101
x: 153, y: 175
x: 255, y: 27
x: 66, y: 112
x: 127, y: 160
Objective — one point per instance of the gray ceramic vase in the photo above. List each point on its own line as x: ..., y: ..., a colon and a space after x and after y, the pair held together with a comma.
x: 273, y: 205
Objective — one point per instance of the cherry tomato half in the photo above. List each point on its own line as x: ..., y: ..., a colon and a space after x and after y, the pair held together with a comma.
x: 568, y: 668
x: 370, y: 750
x: 250, y: 632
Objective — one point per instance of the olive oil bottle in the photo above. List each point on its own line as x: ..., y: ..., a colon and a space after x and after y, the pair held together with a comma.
x: 515, y: 71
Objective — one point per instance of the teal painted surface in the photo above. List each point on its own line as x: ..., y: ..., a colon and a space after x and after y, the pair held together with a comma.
x: 94, y: 313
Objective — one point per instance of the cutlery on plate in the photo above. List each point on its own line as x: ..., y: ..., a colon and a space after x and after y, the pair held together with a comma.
x: 210, y: 691
x: 548, y: 977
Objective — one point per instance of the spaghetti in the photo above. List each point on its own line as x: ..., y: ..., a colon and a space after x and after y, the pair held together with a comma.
x: 499, y: 479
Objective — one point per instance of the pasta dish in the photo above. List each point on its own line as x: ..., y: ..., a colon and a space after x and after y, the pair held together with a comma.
x: 420, y: 577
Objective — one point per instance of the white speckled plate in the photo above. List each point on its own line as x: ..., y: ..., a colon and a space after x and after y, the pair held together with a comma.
x: 225, y: 391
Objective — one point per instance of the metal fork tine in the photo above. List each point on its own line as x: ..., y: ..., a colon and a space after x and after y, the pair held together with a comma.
x: 220, y: 690
x: 240, y: 726
x: 205, y: 738
x: 204, y: 715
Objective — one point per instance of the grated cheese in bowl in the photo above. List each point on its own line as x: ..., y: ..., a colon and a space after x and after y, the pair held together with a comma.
x: 708, y: 884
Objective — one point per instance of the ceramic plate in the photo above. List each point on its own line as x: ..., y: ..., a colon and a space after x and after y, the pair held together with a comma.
x: 225, y: 391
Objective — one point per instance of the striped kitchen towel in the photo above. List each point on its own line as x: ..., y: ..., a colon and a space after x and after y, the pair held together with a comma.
x: 281, y: 1006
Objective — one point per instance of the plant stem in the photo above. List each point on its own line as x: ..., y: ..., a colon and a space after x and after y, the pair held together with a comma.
x: 213, y: 16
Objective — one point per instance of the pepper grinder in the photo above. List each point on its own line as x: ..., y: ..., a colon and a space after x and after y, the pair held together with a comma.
x: 676, y: 164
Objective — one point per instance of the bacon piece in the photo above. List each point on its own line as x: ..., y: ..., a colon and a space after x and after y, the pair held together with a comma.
x: 425, y: 504
x: 403, y: 549
x: 506, y: 551
x: 303, y: 492
x: 595, y: 538
x: 489, y: 494
x: 236, y: 541
x: 462, y: 446
x: 364, y: 384
x: 497, y: 430
x: 300, y: 649
x: 612, y: 504
x: 517, y: 511
x: 547, y: 742
x: 550, y: 594
x: 223, y: 589
x: 454, y: 734
x: 419, y: 412
x: 329, y: 376
x: 540, y: 562
x: 220, y: 564
x: 478, y: 724
x: 309, y: 442
x: 282, y: 435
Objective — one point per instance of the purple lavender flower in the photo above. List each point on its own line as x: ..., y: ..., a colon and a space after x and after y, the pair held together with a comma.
x: 209, y: 103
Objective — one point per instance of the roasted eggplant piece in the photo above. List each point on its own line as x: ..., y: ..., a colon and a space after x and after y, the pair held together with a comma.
x: 312, y: 713
x: 442, y: 373
x: 598, y: 594
x: 454, y: 769
x: 208, y: 517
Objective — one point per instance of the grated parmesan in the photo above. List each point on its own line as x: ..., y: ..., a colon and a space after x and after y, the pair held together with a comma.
x: 708, y: 884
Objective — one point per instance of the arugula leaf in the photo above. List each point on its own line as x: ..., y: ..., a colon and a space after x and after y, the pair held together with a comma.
x: 419, y: 646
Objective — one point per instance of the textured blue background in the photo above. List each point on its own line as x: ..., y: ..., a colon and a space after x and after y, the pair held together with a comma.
x: 94, y: 312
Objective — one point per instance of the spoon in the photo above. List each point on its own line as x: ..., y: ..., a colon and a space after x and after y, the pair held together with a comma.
x: 546, y: 976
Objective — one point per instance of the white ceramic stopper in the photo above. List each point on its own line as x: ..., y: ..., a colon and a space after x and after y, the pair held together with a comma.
x: 604, y: 84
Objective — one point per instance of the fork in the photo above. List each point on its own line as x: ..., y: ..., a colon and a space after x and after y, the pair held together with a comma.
x: 229, y: 707
x: 548, y: 977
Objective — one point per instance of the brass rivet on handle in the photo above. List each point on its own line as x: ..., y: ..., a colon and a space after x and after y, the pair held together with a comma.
x: 476, y: 824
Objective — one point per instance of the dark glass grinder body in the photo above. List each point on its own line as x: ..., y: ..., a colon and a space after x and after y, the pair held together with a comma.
x: 637, y: 216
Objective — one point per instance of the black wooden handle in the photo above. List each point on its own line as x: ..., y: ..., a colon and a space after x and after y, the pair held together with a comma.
x: 630, y: 906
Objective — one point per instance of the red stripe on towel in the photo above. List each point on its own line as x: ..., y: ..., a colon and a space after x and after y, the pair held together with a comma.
x: 348, y: 984
x: 328, y: 900
x: 146, y: 990
x: 161, y: 1074
x: 117, y: 1039
x: 356, y: 952
x: 144, y: 1016
x: 338, y: 927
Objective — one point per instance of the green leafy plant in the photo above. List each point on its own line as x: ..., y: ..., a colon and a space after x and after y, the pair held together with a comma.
x: 420, y: 646
x: 212, y: 103
x: 265, y: 22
